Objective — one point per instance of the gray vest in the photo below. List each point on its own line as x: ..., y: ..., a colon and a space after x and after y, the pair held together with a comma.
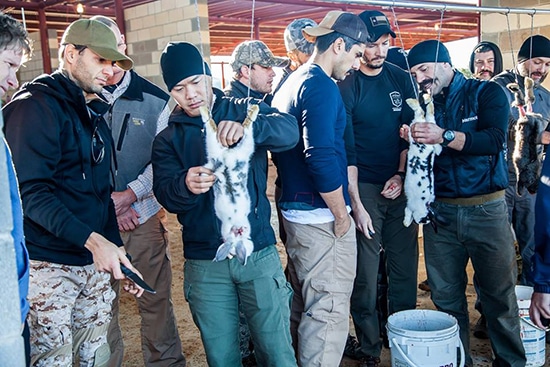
x: 134, y: 125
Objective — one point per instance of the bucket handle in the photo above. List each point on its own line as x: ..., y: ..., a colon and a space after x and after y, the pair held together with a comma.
x: 412, y: 364
x: 530, y: 323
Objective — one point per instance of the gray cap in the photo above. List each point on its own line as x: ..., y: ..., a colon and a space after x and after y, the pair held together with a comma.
x: 294, y: 37
x: 254, y: 52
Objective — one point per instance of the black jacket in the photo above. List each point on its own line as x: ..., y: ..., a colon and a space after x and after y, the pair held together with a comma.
x: 480, y: 110
x: 182, y: 145
x: 66, y: 194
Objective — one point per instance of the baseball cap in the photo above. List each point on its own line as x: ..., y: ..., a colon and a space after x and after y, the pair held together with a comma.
x: 377, y: 24
x: 97, y: 37
x: 254, y: 52
x: 294, y: 38
x: 342, y: 22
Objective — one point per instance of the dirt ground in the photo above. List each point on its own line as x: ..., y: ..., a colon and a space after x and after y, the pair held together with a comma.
x: 192, y: 346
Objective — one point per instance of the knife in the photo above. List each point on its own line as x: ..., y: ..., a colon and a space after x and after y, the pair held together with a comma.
x: 135, y: 278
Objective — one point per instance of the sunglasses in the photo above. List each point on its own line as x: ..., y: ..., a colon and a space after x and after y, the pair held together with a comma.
x: 98, y: 147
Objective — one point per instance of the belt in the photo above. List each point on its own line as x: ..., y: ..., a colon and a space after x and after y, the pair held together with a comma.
x: 474, y: 200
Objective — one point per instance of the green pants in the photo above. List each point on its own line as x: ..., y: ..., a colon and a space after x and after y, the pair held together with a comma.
x: 213, y: 290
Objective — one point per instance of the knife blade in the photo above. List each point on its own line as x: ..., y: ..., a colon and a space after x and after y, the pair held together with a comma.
x: 136, y: 279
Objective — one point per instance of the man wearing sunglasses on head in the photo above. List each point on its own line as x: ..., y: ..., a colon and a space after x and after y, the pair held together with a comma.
x: 62, y: 152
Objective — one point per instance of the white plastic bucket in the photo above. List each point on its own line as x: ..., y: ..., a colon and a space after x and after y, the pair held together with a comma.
x: 424, y: 338
x: 532, y: 337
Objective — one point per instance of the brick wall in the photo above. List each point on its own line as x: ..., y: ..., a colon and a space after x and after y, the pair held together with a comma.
x: 34, y: 66
x: 494, y: 27
x: 150, y: 27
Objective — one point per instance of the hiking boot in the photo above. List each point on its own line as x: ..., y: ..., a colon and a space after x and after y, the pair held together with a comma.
x: 369, y: 361
x: 480, y: 328
x: 352, y: 347
x: 424, y: 286
x: 249, y: 361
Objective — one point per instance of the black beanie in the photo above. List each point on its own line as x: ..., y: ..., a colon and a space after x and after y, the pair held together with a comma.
x: 425, y: 51
x: 180, y: 60
x: 534, y: 46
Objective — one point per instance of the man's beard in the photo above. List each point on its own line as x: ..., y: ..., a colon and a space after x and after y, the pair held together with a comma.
x: 371, y: 66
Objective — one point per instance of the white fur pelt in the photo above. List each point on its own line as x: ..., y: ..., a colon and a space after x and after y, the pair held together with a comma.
x: 419, y: 182
x: 231, y: 198
x: 527, y: 129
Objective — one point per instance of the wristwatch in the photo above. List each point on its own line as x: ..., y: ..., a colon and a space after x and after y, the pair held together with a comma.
x: 448, y: 136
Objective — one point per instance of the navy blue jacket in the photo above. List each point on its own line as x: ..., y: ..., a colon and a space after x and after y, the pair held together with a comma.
x: 318, y: 163
x: 480, y: 110
x: 181, y: 146
x: 541, y: 258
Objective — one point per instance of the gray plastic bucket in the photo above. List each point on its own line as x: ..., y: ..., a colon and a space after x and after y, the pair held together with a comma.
x: 424, y: 338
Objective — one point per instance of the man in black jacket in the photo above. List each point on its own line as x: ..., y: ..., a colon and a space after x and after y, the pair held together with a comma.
x: 139, y: 110
x: 61, y: 149
x: 469, y: 182
x: 183, y: 185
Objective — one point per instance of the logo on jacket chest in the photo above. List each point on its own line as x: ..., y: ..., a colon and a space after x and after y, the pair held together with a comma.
x: 396, y: 101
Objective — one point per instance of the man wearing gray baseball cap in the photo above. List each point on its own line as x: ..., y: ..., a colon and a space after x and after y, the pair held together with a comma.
x: 315, y: 202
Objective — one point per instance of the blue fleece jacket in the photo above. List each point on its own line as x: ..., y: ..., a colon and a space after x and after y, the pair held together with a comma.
x: 541, y: 258
x: 21, y: 254
x: 318, y: 163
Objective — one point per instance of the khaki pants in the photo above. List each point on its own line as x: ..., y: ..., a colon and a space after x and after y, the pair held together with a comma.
x: 160, y: 341
x: 70, y: 308
x: 322, y: 274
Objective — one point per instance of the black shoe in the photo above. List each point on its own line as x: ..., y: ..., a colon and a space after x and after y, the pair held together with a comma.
x: 249, y: 361
x: 352, y: 347
x: 424, y: 286
x: 480, y: 328
x: 369, y: 361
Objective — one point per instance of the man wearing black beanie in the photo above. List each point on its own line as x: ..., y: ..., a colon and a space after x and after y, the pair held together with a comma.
x: 469, y: 182
x: 183, y: 185
x: 534, y: 62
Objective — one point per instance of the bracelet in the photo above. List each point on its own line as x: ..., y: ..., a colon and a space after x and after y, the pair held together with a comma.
x: 400, y: 174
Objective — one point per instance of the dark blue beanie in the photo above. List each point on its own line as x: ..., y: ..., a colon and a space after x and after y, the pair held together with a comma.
x: 428, y: 51
x: 180, y: 60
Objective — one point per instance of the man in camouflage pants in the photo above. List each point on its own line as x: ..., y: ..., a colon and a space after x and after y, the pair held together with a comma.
x: 62, y: 152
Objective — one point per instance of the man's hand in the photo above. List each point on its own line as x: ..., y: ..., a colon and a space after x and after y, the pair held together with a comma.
x: 199, y: 179
x: 426, y: 133
x: 128, y: 221
x: 540, y: 307
x: 107, y: 258
x: 545, y: 137
x: 404, y: 132
x: 393, y: 187
x: 229, y: 132
x: 341, y: 226
x: 123, y: 200
x: 363, y: 221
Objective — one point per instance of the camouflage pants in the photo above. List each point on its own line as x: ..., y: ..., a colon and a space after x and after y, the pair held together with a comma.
x: 70, y: 310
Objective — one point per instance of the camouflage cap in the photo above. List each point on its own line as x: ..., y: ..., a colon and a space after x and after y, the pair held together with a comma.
x: 294, y: 37
x: 254, y: 52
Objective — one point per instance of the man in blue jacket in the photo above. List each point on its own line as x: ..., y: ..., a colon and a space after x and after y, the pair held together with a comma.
x: 15, y: 49
x: 469, y: 182
x: 61, y: 150
x: 540, y: 301
x: 183, y: 185
x: 315, y: 203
